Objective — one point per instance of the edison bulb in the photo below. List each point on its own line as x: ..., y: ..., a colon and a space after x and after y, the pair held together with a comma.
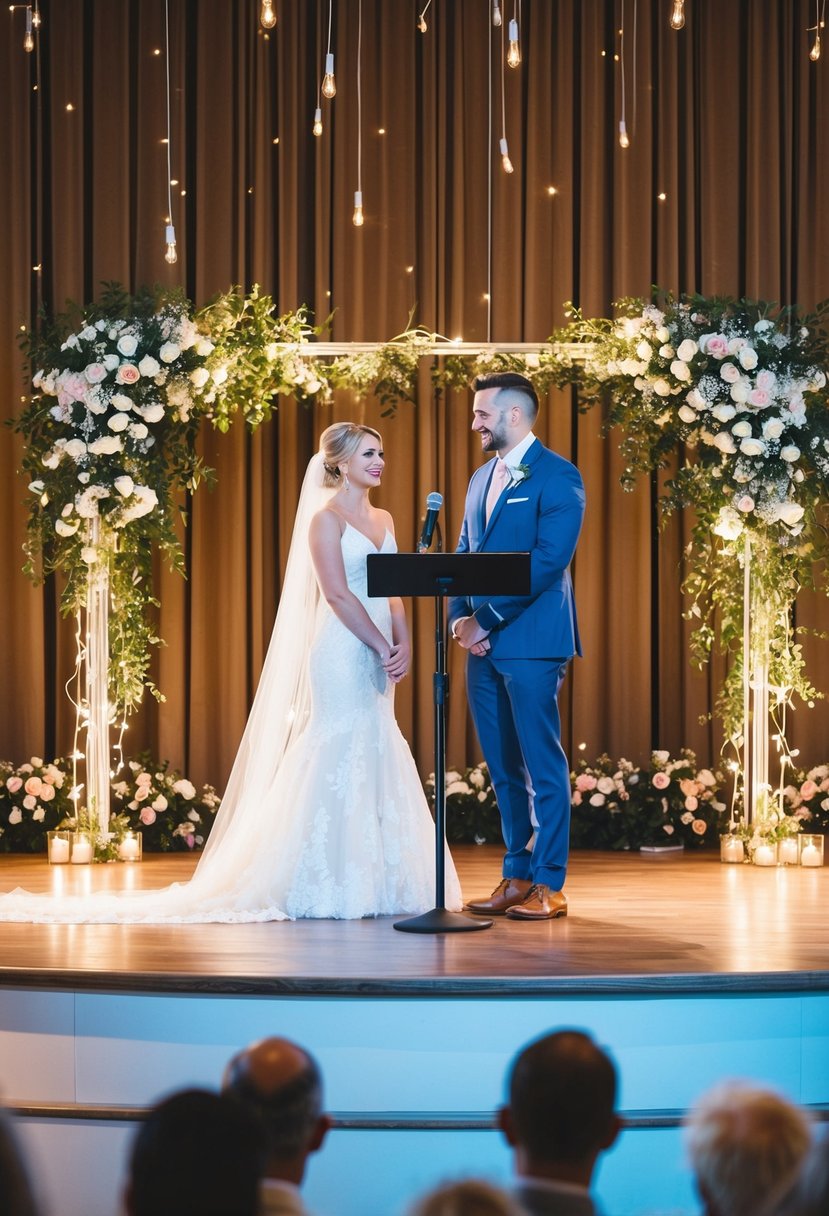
x: 267, y: 17
x: 317, y: 127
x: 514, y: 52
x: 814, y: 53
x: 496, y: 14
x: 357, y: 217
x: 28, y: 41
x: 329, y: 84
x: 624, y: 142
x: 505, y: 160
x: 421, y: 24
x: 171, y: 255
x: 678, y: 15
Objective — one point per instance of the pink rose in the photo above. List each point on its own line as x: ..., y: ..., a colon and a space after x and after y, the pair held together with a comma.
x: 189, y: 841
x: 759, y: 398
x: 147, y: 815
x: 730, y: 373
x: 661, y: 781
x: 13, y: 784
x: 47, y: 793
x: 745, y: 504
x: 576, y: 799
x: 127, y: 373
x: 585, y: 782
x: 95, y: 373
x: 699, y: 826
x: 142, y: 792
x: 689, y: 787
x: 33, y: 786
x: 30, y: 802
x: 691, y: 803
x: 808, y: 790
x: 717, y: 346
x: 765, y: 380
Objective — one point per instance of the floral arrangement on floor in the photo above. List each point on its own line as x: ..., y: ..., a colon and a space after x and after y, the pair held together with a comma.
x: 739, y: 390
x: 168, y: 810
x: 472, y: 815
x: 807, y: 800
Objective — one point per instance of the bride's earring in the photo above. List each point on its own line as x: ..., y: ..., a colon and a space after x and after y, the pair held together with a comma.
x: 346, y: 482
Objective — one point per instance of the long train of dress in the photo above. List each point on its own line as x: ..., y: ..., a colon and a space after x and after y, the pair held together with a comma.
x: 340, y: 829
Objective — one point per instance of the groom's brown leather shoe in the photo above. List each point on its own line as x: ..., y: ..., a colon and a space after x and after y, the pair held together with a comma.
x: 540, y: 903
x: 510, y: 891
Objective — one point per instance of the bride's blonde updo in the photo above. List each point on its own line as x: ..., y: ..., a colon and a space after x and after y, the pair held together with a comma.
x: 338, y: 443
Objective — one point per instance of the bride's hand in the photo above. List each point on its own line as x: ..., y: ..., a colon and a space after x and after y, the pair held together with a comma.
x: 397, y: 664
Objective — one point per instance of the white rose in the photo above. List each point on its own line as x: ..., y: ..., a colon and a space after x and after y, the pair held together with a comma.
x: 667, y: 351
x: 687, y: 414
x: 696, y: 400
x: 644, y: 350
x: 169, y: 352
x: 138, y: 430
x: 762, y: 326
x: 15, y: 816
x: 739, y: 392
x: 187, y: 790
x: 39, y: 813
x: 64, y: 529
x: 730, y: 373
x: 89, y: 554
x: 149, y: 366
x: 724, y: 442
x: 723, y: 412
x: 687, y: 349
x: 597, y: 800
x: 110, y: 362
x: 153, y: 412
x: 741, y: 429
x: 752, y: 447
x: 790, y: 453
x: 219, y: 375
x: 127, y: 345
x: 107, y: 445
x: 606, y: 785
x: 204, y: 347
x: 773, y: 428
x: 663, y: 334
x: 680, y: 370
x: 789, y: 513
x: 52, y: 459
x: 124, y: 485
x: 121, y: 402
x: 118, y: 422
x: 88, y: 333
x: 36, y: 487
x: 159, y: 803
x: 662, y: 388
x: 199, y: 376
x: 745, y: 504
x: 75, y: 448
x: 748, y: 358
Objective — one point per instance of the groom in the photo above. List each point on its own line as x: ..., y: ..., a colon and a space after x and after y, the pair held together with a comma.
x: 529, y: 498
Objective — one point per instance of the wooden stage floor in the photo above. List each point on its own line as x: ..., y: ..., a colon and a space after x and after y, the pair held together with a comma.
x: 638, y: 924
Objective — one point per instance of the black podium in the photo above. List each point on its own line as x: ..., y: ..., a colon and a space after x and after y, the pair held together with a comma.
x: 440, y: 575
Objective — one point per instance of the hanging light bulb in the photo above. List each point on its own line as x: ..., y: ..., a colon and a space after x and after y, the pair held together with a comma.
x: 36, y: 18
x: 28, y: 40
x: 814, y: 53
x: 496, y: 14
x: 317, y: 127
x: 505, y: 160
x: 329, y: 84
x: 170, y: 237
x: 421, y: 23
x: 357, y: 217
x: 514, y: 52
x: 624, y: 142
x: 267, y: 17
x: 677, y: 15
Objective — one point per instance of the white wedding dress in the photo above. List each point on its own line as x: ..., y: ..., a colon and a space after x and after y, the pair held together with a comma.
x: 329, y: 821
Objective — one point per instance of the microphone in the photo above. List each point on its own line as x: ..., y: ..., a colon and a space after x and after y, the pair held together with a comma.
x: 434, y: 502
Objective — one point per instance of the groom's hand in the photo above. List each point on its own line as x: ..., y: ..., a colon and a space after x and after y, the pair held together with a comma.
x: 469, y: 633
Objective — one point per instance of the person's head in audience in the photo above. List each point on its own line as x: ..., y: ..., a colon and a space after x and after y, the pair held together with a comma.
x: 746, y: 1145
x: 16, y: 1195
x: 560, y: 1113
x: 196, y: 1154
x: 281, y: 1084
x: 471, y: 1197
x: 809, y: 1195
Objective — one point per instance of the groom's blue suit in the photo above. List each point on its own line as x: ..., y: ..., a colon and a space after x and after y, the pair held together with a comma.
x: 513, y: 689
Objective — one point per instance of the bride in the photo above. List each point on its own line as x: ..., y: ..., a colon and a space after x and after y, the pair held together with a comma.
x: 324, y: 813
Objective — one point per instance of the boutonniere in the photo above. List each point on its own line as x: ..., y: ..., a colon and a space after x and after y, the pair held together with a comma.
x: 520, y: 473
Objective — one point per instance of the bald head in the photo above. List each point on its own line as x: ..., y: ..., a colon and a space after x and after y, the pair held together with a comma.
x: 281, y: 1083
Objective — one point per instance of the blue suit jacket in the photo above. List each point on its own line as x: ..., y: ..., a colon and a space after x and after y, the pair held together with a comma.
x: 542, y: 515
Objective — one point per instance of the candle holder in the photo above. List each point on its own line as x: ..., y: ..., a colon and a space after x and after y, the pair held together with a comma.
x: 765, y: 853
x: 130, y: 846
x: 58, y: 847
x: 83, y: 848
x: 788, y: 851
x: 732, y: 849
x: 811, y: 851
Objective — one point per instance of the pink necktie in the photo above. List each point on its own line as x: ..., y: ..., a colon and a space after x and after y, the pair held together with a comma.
x: 500, y: 477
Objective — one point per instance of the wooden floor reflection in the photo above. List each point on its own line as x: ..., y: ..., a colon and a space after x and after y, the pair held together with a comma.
x: 637, y: 923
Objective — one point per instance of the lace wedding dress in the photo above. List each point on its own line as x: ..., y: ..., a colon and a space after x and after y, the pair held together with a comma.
x: 329, y: 822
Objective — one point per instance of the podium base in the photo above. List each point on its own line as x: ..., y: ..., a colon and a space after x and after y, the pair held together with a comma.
x: 441, y: 921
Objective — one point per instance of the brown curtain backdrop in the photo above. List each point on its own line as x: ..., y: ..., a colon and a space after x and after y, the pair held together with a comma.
x: 722, y: 190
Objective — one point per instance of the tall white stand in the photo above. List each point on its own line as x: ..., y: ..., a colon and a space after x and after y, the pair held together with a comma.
x: 97, y: 685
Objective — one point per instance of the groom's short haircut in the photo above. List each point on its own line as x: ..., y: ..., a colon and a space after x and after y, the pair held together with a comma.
x: 519, y: 386
x: 562, y: 1094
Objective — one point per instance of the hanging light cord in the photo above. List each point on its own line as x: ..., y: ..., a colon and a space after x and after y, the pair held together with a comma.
x: 489, y: 192
x: 359, y: 98
x: 622, y: 61
x: 169, y: 133
x: 330, y: 12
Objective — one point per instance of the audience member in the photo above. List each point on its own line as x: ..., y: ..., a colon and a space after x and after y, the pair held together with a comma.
x: 746, y: 1145
x: 16, y: 1195
x: 280, y: 1083
x: 560, y: 1116
x: 470, y: 1197
x: 810, y: 1194
x: 196, y: 1154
